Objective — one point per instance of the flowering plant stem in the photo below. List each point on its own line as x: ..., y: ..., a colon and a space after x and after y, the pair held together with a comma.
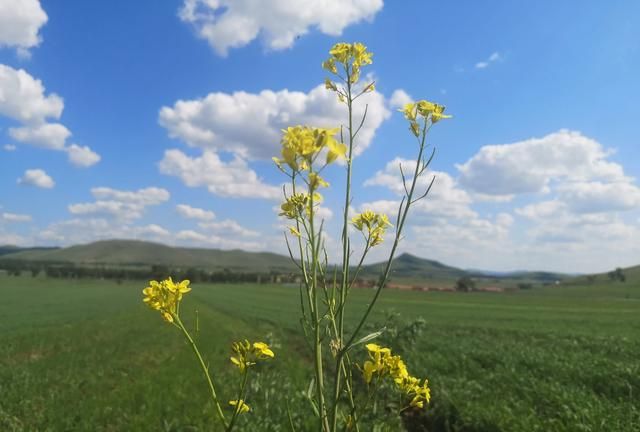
x: 205, y: 370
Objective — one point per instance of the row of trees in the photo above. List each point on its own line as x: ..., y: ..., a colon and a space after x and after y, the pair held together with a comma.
x: 155, y: 272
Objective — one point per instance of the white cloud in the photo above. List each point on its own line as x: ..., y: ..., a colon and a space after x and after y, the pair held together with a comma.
x: 9, y: 147
x: 189, y: 212
x: 14, y: 217
x: 399, y: 98
x: 192, y: 238
x: 229, y: 227
x: 594, y: 197
x: 494, y: 57
x: 228, y: 179
x: 82, y: 156
x: 145, y: 197
x: 20, y: 23
x: 121, y: 205
x: 23, y: 99
x: 530, y: 166
x: 36, y: 177
x: 249, y: 124
x: 229, y: 24
x: 445, y: 200
x: 46, y: 135
x: 85, y: 230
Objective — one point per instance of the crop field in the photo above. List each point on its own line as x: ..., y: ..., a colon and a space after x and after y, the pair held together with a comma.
x: 89, y: 356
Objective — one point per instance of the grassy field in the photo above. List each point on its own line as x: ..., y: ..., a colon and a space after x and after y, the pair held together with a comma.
x: 89, y: 356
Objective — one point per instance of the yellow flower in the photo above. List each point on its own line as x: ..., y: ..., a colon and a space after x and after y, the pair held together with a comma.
x: 315, y: 181
x: 247, y: 354
x: 300, y: 144
x: 341, y: 52
x: 240, y: 406
x: 373, y: 226
x: 437, y: 113
x: 164, y: 297
x: 351, y: 56
x: 410, y: 111
x: 336, y: 150
x: 329, y: 85
x: 262, y: 350
x: 294, y: 231
x: 330, y: 65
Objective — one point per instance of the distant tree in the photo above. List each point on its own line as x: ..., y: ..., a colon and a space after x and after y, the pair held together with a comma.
x: 591, y: 278
x: 465, y: 284
x: 617, y: 275
x: 525, y: 286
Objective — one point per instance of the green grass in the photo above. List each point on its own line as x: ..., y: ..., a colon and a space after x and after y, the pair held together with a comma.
x: 88, y: 356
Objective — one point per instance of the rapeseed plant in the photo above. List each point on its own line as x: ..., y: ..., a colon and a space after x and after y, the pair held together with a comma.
x: 324, y: 291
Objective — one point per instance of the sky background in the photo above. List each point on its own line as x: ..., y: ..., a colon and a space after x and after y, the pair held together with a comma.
x: 157, y: 121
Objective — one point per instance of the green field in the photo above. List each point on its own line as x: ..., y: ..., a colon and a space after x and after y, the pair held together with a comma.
x: 89, y: 356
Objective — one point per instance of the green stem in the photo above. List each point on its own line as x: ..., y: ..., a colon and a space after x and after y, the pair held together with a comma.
x: 241, y: 397
x: 316, y: 316
x: 205, y: 370
x: 345, y: 257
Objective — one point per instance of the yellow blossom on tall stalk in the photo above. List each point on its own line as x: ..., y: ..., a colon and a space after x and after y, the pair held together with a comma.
x: 165, y: 296
x: 372, y: 225
x: 425, y: 111
x: 240, y: 406
x: 247, y: 354
x: 382, y: 363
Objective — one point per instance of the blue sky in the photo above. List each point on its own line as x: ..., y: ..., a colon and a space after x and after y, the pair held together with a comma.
x: 157, y: 120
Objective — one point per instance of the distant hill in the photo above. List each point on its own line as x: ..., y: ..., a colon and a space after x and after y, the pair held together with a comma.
x: 134, y: 253
x: 11, y: 249
x: 631, y: 274
x: 407, y: 266
x: 141, y: 253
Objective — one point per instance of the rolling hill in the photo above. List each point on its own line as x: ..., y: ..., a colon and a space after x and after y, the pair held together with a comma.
x: 141, y: 253
x: 411, y: 267
x: 134, y: 253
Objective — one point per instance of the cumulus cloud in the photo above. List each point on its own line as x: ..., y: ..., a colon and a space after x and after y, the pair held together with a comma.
x: 228, y: 179
x: 36, y: 177
x: 121, y: 205
x: 82, y: 156
x: 189, y: 212
x: 228, y: 227
x: 20, y: 23
x: 14, y: 217
x: 23, y: 99
x: 530, y: 166
x: 249, y: 124
x: 86, y: 230
x: 399, y: 98
x: 494, y: 57
x: 227, y: 24
x: 9, y: 147
x: 196, y: 238
x: 595, y: 196
x: 46, y: 135
x: 445, y: 200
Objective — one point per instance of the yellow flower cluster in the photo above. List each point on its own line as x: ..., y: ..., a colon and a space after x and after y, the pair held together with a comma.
x: 351, y: 56
x: 382, y: 363
x: 424, y: 109
x: 164, y: 296
x: 297, y: 205
x: 240, y: 405
x: 301, y: 145
x: 247, y: 354
x: 373, y: 225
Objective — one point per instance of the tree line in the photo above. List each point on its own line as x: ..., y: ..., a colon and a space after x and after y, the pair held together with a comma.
x: 154, y: 272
